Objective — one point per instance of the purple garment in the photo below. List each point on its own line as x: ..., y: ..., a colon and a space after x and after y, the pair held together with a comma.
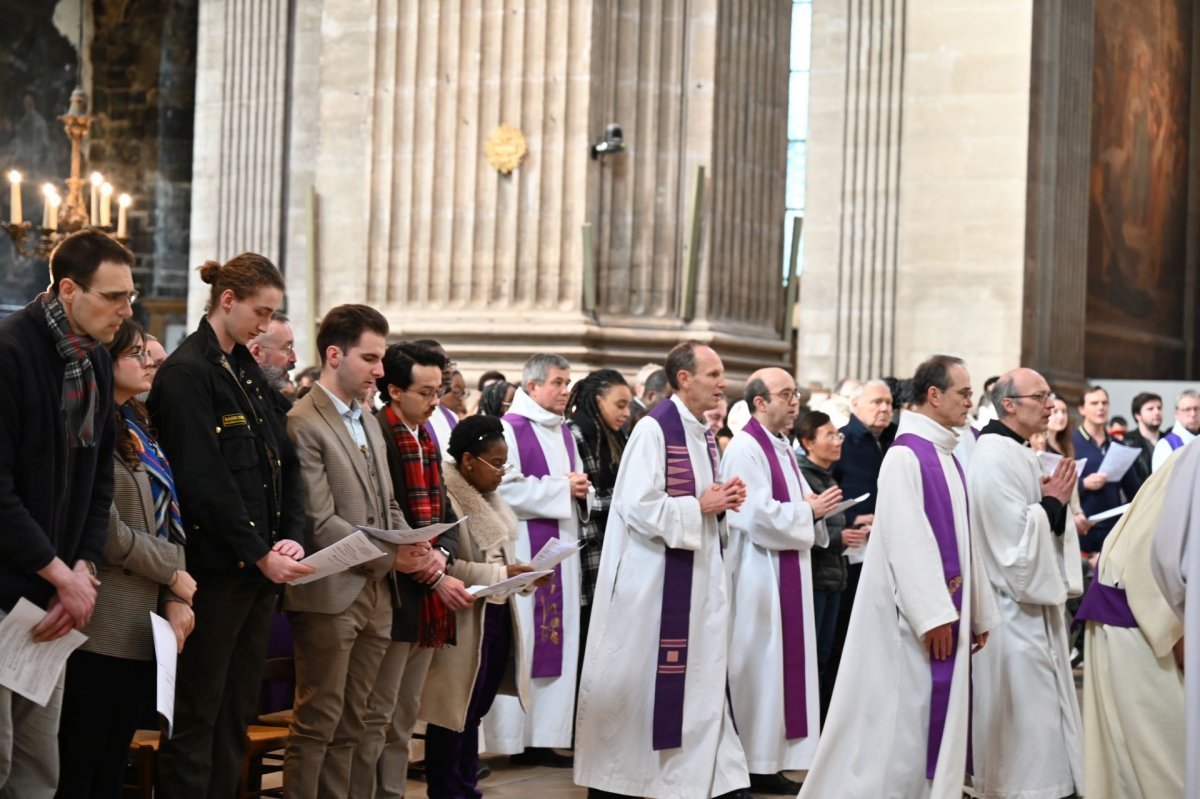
x: 1174, y: 440
x: 1105, y: 604
x: 940, y: 512
x: 451, y: 420
x: 548, y: 622
x: 676, y: 609
x: 791, y: 598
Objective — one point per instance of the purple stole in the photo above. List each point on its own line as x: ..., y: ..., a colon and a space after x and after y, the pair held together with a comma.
x: 676, y: 609
x: 451, y: 419
x: 1174, y: 440
x: 940, y: 512
x: 547, y: 609
x: 1105, y: 604
x: 791, y: 598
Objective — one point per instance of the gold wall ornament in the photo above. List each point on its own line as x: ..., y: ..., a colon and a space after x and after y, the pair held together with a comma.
x: 505, y: 147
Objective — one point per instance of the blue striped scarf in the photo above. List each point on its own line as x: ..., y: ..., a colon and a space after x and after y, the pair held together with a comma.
x: 168, y: 523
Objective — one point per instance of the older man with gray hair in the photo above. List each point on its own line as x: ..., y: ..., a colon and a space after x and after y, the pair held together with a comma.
x: 275, y: 350
x: 547, y: 488
x: 1027, y: 725
x: 1186, y: 428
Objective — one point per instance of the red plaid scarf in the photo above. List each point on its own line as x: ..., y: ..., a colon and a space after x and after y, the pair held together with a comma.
x: 423, y: 495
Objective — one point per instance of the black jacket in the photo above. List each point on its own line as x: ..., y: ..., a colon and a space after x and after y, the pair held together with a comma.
x: 407, y: 592
x: 236, y: 472
x: 44, y: 510
x: 828, y: 564
x: 858, y: 470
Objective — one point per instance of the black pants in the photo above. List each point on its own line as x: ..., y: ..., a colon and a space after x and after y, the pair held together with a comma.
x: 103, y: 701
x: 216, y: 688
x: 845, y: 606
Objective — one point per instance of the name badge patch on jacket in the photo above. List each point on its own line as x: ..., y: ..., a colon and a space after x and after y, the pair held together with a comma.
x: 234, y: 419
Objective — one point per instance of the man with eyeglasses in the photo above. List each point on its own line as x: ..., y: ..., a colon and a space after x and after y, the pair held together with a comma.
x: 1185, y: 429
x: 1026, y: 719
x: 425, y: 600
x: 275, y: 351
x: 546, y: 489
x: 56, y: 472
x: 773, y: 680
x: 442, y: 420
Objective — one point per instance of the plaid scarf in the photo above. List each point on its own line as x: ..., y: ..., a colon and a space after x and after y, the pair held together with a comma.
x: 79, y: 379
x: 422, y: 482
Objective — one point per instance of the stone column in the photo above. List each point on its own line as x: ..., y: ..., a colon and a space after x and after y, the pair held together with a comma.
x: 918, y: 146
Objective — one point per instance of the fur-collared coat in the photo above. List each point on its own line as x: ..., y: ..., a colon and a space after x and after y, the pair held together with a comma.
x: 451, y: 681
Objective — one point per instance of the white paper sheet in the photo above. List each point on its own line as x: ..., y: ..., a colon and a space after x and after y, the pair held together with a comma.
x: 1117, y: 461
x: 165, y: 652
x: 29, y: 669
x: 350, y: 551
x: 1108, y: 514
x: 420, y: 534
x: 554, y: 552
x: 1049, y: 462
x: 855, y: 554
x: 512, y: 585
x: 846, y: 504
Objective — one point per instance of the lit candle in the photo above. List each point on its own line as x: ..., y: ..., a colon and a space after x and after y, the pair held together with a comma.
x: 14, y: 178
x: 97, y: 179
x: 47, y: 193
x: 54, y: 202
x: 123, y: 203
x: 106, y: 205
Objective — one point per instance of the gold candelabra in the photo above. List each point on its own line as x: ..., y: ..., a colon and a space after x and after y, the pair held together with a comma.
x: 75, y: 213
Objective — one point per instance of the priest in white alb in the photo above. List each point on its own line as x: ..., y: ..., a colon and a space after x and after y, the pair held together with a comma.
x: 546, y: 488
x: 773, y: 647
x: 1174, y: 558
x: 1134, y: 744
x: 654, y: 720
x: 898, y: 721
x: 1027, y: 731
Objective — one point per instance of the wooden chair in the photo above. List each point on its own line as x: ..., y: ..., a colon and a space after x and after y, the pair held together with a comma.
x: 264, y: 747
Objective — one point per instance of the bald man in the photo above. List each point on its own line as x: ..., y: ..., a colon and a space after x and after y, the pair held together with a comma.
x: 773, y: 682
x: 1026, y: 722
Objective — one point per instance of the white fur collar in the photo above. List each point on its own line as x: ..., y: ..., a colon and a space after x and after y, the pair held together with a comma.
x: 492, y: 522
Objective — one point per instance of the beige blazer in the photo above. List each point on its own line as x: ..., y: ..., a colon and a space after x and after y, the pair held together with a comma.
x: 344, y: 489
x: 137, y: 566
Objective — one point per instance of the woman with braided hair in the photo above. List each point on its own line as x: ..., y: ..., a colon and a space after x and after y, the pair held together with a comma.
x: 597, y: 409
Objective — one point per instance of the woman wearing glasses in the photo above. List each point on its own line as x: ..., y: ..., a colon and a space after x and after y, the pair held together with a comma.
x: 822, y: 445
x: 464, y: 679
x: 110, y: 679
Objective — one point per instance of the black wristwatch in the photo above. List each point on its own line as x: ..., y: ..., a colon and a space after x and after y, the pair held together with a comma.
x: 446, y: 552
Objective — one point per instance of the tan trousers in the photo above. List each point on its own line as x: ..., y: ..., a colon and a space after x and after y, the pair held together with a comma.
x: 391, y: 716
x: 29, y: 744
x: 338, y: 657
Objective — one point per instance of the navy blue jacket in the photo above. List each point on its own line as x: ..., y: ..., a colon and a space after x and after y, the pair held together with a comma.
x: 44, y: 510
x: 858, y: 470
x: 1112, y: 495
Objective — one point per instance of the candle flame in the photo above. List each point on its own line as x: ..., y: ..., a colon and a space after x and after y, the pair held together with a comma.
x: 125, y: 200
x: 106, y: 189
x: 14, y: 177
x: 54, y: 200
x: 97, y: 178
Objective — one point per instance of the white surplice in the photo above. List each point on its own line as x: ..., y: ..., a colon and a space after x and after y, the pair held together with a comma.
x: 876, y: 732
x: 1162, y: 450
x: 1027, y: 730
x: 614, y: 741
x: 757, y: 533
x: 549, y: 723
x: 1134, y: 745
x: 1175, y: 556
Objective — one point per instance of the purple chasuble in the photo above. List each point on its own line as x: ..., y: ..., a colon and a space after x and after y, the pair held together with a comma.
x: 1174, y: 440
x: 676, y: 611
x: 940, y: 512
x: 547, y: 602
x: 791, y: 598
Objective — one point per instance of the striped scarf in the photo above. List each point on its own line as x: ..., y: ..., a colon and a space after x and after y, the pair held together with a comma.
x: 79, y: 379
x: 167, y: 521
x: 422, y: 484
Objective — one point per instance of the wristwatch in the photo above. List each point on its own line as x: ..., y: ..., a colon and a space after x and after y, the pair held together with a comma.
x: 91, y: 567
x: 446, y: 552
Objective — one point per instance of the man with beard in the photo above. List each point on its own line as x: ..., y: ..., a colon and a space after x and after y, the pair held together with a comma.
x: 275, y: 351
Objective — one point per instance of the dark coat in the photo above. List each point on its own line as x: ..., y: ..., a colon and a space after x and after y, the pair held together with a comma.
x: 858, y: 470
x: 236, y: 473
x: 407, y: 592
x: 53, y: 501
x: 828, y: 564
x: 1112, y: 495
x: 1134, y: 438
